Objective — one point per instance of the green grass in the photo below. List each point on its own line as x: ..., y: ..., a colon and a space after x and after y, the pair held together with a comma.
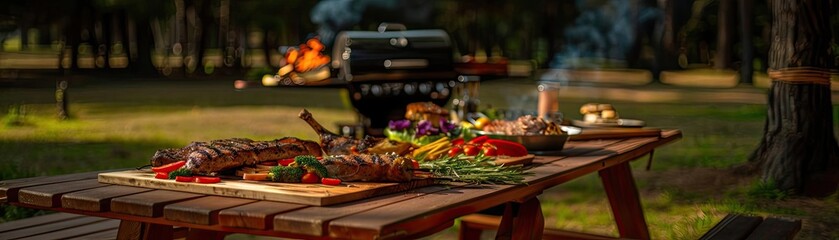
x: 119, y: 124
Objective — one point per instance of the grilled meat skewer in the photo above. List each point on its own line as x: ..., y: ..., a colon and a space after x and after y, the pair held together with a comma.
x: 208, y: 158
x: 369, y: 167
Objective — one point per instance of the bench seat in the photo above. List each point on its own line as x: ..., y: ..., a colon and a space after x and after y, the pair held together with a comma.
x: 60, y: 226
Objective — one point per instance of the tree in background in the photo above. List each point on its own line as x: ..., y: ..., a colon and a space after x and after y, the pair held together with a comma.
x: 798, y: 151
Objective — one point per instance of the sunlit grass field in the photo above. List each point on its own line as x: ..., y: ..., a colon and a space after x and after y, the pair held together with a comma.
x: 119, y: 124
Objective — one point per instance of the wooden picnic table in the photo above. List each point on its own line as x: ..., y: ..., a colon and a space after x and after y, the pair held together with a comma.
x: 153, y: 214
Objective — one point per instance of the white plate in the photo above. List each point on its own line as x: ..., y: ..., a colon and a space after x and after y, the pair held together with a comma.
x: 617, y: 123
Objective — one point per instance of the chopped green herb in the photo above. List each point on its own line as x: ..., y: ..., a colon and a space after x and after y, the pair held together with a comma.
x: 180, y: 172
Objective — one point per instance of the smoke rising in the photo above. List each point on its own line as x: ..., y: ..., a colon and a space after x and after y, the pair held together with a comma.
x: 604, y: 30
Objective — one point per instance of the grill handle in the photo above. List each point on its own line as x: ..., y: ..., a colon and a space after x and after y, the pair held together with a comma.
x: 385, y: 26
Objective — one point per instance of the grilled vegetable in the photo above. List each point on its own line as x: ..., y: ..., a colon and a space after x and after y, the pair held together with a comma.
x: 169, y: 167
x: 330, y: 181
x: 286, y: 174
x: 311, y: 164
x: 184, y: 179
x: 161, y: 175
x: 180, y: 172
x: 508, y: 148
x: 207, y: 179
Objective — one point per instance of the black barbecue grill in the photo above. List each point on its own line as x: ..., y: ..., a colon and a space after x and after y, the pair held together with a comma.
x: 386, y: 70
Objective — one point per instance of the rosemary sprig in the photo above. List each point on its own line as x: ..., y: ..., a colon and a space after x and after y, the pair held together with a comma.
x: 477, y: 170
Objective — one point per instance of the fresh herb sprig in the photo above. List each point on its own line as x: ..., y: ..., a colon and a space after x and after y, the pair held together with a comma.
x: 478, y: 170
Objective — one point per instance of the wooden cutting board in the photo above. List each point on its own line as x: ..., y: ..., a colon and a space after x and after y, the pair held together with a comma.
x: 309, y: 194
x: 509, y: 161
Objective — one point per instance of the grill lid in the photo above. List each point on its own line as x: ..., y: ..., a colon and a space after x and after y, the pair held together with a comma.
x: 393, y: 55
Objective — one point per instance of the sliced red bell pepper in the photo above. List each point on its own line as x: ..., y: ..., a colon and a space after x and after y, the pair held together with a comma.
x: 479, y: 140
x: 285, y: 162
x: 169, y: 167
x: 207, y: 179
x: 161, y: 175
x: 330, y: 181
x: 184, y: 179
x: 508, y: 148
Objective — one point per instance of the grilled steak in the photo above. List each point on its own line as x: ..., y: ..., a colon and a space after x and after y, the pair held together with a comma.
x: 334, y: 144
x: 369, y: 167
x: 208, y: 158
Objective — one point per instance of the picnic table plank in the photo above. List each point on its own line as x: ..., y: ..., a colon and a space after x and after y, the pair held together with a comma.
x: 389, y: 221
x: 258, y: 215
x: 50, y: 195
x: 97, y: 199
x: 10, y: 188
x: 203, y: 210
x: 149, y: 204
x: 312, y: 220
x: 67, y: 224
x: 95, y: 227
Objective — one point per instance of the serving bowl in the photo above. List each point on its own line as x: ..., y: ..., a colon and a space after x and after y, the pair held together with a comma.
x: 533, y: 142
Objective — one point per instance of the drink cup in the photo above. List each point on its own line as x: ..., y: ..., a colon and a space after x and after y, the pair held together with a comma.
x: 548, y: 97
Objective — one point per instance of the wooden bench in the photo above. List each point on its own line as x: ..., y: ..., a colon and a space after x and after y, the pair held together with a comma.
x: 732, y: 227
x: 60, y: 226
x: 67, y: 226
x: 471, y: 227
x: 736, y: 226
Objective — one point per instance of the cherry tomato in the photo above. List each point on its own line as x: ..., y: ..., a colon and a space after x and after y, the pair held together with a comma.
x: 161, y: 175
x: 489, y: 150
x: 207, y: 179
x: 455, y: 151
x: 285, y: 162
x: 310, y: 178
x: 415, y: 164
x: 330, y: 181
x: 169, y: 167
x: 457, y: 142
x: 184, y: 179
x: 470, y: 150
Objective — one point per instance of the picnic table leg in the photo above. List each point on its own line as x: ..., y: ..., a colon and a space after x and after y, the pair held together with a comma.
x: 625, y: 202
x: 137, y: 230
x: 526, y: 223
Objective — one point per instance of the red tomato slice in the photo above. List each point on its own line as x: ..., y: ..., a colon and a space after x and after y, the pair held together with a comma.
x: 169, y: 167
x: 184, y: 179
x: 310, y: 178
x: 330, y: 181
x: 161, y: 175
x: 285, y: 162
x: 207, y: 179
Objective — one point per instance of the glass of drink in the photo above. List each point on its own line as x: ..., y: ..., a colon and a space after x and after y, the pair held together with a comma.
x: 548, y: 105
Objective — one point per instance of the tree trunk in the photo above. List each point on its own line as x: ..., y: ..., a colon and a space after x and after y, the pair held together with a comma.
x: 747, y: 57
x: 798, y: 151
x: 725, y: 19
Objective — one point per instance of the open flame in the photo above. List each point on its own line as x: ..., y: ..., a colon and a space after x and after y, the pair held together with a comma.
x: 303, y: 65
x: 308, y: 57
